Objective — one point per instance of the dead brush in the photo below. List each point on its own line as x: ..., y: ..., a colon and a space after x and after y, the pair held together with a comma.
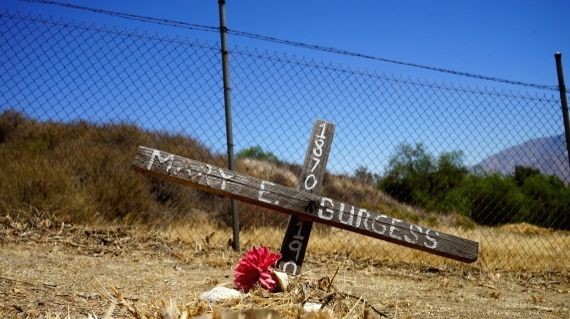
x: 302, y: 293
x: 257, y: 304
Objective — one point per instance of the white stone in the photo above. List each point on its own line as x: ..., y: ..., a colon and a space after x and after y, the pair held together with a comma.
x: 311, y: 306
x: 220, y: 293
x: 282, y: 280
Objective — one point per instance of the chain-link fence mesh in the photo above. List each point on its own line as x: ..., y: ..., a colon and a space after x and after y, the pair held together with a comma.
x: 76, y: 100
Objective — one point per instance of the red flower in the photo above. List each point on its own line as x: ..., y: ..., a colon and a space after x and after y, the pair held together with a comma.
x: 256, y: 266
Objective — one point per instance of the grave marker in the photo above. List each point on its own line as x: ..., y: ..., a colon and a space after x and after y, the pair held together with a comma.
x: 298, y: 231
x: 302, y: 204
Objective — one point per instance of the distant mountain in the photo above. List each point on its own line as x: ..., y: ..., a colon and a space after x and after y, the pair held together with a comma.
x: 547, y: 154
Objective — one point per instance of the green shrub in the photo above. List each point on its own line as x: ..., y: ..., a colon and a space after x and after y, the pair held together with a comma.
x: 443, y: 184
x: 492, y: 200
x: 416, y: 177
x: 256, y: 152
x: 547, y: 200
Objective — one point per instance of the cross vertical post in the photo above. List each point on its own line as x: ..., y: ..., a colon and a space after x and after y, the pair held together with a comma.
x: 298, y: 231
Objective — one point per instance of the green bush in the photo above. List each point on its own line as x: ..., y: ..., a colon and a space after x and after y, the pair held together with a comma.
x: 256, y: 152
x: 443, y: 184
x: 416, y: 177
x: 547, y: 201
x: 492, y: 200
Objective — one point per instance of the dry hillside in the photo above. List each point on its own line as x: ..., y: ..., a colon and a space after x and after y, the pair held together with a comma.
x: 81, y: 171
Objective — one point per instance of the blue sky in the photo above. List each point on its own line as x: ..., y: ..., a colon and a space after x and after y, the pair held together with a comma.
x: 514, y: 40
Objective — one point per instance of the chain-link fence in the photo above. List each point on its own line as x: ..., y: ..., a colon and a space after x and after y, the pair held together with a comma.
x: 76, y: 100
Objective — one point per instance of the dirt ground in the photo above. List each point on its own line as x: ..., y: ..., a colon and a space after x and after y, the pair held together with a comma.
x: 49, y: 270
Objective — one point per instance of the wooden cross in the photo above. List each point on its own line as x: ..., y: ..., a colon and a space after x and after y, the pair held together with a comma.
x: 298, y: 231
x: 302, y: 204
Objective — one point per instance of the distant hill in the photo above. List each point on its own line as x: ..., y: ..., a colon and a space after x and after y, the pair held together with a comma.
x: 547, y: 154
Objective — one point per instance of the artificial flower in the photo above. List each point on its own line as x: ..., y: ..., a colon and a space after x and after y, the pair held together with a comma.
x: 255, y: 267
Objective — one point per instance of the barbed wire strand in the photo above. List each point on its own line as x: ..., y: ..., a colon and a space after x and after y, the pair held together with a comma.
x: 256, y: 36
x: 129, y: 16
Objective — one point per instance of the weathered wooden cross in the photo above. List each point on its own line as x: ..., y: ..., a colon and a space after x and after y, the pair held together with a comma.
x: 304, y: 204
x: 298, y: 231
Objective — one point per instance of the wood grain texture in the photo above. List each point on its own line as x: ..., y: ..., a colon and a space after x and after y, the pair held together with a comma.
x: 298, y: 231
x: 302, y: 204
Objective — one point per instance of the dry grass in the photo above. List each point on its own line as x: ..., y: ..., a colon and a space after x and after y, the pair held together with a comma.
x: 268, y: 171
x: 81, y: 171
x: 257, y: 304
x: 528, y: 248
x: 58, y: 270
x: 504, y: 248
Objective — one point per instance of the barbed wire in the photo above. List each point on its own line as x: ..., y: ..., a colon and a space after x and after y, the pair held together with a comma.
x: 371, y: 57
x: 256, y: 36
x: 417, y: 82
x: 129, y: 16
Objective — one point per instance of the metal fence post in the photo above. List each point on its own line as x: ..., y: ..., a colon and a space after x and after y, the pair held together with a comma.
x: 563, y: 101
x: 228, y: 109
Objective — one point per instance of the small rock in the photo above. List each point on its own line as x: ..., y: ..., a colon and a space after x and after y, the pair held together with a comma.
x: 220, y: 293
x: 311, y: 306
x: 282, y: 280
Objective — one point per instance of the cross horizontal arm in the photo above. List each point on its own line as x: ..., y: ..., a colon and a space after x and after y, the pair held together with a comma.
x: 302, y: 204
